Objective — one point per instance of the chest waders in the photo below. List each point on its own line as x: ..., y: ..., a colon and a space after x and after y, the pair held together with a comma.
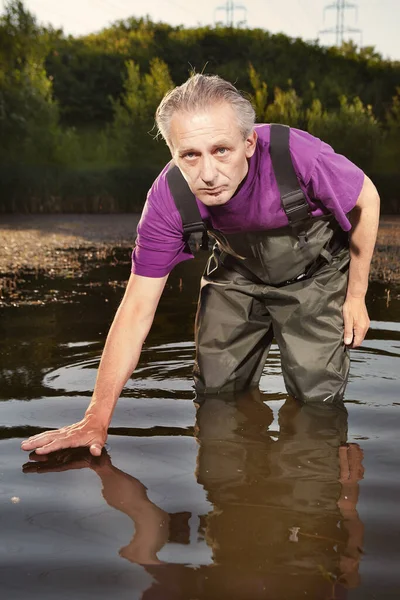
x: 288, y: 283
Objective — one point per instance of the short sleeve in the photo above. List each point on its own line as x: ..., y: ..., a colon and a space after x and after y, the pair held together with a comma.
x: 160, y: 244
x: 336, y: 183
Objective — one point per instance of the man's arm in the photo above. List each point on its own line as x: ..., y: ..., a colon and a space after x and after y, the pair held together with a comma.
x: 365, y: 220
x: 121, y: 354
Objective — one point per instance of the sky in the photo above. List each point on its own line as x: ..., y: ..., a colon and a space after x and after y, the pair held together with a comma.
x: 379, y: 20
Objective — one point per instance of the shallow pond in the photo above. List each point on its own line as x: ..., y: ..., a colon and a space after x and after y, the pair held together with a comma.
x: 245, y: 497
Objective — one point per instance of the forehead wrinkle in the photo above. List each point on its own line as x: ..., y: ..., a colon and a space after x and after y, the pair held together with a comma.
x: 203, y: 130
x: 213, y: 137
x: 215, y: 142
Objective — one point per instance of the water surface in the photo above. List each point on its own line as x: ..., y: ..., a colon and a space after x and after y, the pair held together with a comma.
x: 244, y: 497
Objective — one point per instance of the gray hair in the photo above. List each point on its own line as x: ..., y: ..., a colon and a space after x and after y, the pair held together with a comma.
x: 200, y: 92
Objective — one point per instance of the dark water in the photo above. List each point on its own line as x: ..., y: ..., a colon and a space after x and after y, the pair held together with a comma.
x: 248, y: 497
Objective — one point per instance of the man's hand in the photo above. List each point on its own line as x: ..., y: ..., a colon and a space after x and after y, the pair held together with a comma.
x: 88, y: 433
x: 130, y: 327
x: 356, y: 321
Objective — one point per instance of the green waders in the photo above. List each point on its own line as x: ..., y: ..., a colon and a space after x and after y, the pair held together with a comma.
x: 288, y: 284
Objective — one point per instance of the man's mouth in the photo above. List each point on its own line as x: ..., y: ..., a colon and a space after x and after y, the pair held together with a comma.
x: 213, y: 191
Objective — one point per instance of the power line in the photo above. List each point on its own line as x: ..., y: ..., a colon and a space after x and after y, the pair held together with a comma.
x: 340, y: 29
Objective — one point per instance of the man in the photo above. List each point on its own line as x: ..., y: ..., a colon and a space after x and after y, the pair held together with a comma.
x: 269, y: 274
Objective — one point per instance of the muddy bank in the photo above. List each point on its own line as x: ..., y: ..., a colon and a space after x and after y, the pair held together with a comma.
x: 385, y: 265
x: 58, y: 244
x: 52, y: 243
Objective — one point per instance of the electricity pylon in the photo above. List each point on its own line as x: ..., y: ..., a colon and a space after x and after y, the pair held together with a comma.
x: 230, y: 7
x: 340, y: 29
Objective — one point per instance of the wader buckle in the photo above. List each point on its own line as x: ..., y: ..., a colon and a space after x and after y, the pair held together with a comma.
x: 198, y: 227
x: 193, y: 227
x: 296, y: 207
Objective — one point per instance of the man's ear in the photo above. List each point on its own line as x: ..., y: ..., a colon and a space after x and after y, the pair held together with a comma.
x: 251, y: 143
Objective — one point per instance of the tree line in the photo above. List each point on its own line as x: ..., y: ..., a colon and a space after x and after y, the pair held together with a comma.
x: 77, y: 114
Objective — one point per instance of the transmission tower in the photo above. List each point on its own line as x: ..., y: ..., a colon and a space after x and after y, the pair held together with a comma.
x: 229, y: 8
x: 340, y: 29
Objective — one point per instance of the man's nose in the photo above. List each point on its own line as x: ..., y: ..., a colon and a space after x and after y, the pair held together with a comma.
x: 208, y: 171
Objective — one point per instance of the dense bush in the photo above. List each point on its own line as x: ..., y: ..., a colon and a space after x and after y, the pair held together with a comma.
x: 29, y: 120
x: 77, y: 115
x: 352, y: 130
x: 59, y: 189
x: 132, y: 131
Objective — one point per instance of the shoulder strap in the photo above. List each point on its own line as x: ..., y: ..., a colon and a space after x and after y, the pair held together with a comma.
x: 186, y: 204
x: 293, y: 200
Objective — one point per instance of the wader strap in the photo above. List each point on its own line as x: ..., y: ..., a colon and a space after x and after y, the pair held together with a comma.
x: 186, y: 204
x: 293, y: 200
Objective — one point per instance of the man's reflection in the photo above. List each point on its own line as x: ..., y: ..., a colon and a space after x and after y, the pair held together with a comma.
x: 284, y: 522
x: 284, y: 501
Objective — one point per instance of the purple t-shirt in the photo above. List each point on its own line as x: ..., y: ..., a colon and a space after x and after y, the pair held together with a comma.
x: 330, y: 182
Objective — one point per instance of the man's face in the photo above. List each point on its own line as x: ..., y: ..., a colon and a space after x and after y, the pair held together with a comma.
x: 209, y: 149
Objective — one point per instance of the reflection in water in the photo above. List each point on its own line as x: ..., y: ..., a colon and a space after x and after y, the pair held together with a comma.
x: 284, y: 523
x: 278, y: 497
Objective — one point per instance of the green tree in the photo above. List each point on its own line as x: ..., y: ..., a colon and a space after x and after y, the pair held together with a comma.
x: 133, y: 130
x: 285, y: 108
x: 28, y: 114
x: 353, y: 130
x: 20, y: 37
x: 259, y: 97
x: 388, y: 157
x: 392, y: 140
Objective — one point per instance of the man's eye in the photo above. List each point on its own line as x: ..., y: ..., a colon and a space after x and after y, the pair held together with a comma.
x: 189, y: 155
x: 222, y: 151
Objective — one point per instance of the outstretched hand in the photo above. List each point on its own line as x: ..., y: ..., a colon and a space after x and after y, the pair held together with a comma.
x: 86, y: 433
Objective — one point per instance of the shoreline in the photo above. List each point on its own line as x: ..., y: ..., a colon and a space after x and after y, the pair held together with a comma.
x: 51, y: 243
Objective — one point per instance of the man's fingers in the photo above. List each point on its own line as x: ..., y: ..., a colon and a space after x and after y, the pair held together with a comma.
x: 65, y: 441
x: 359, y: 335
x: 39, y: 440
x: 348, y: 328
x: 95, y: 449
x: 360, y: 331
x: 53, y: 446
